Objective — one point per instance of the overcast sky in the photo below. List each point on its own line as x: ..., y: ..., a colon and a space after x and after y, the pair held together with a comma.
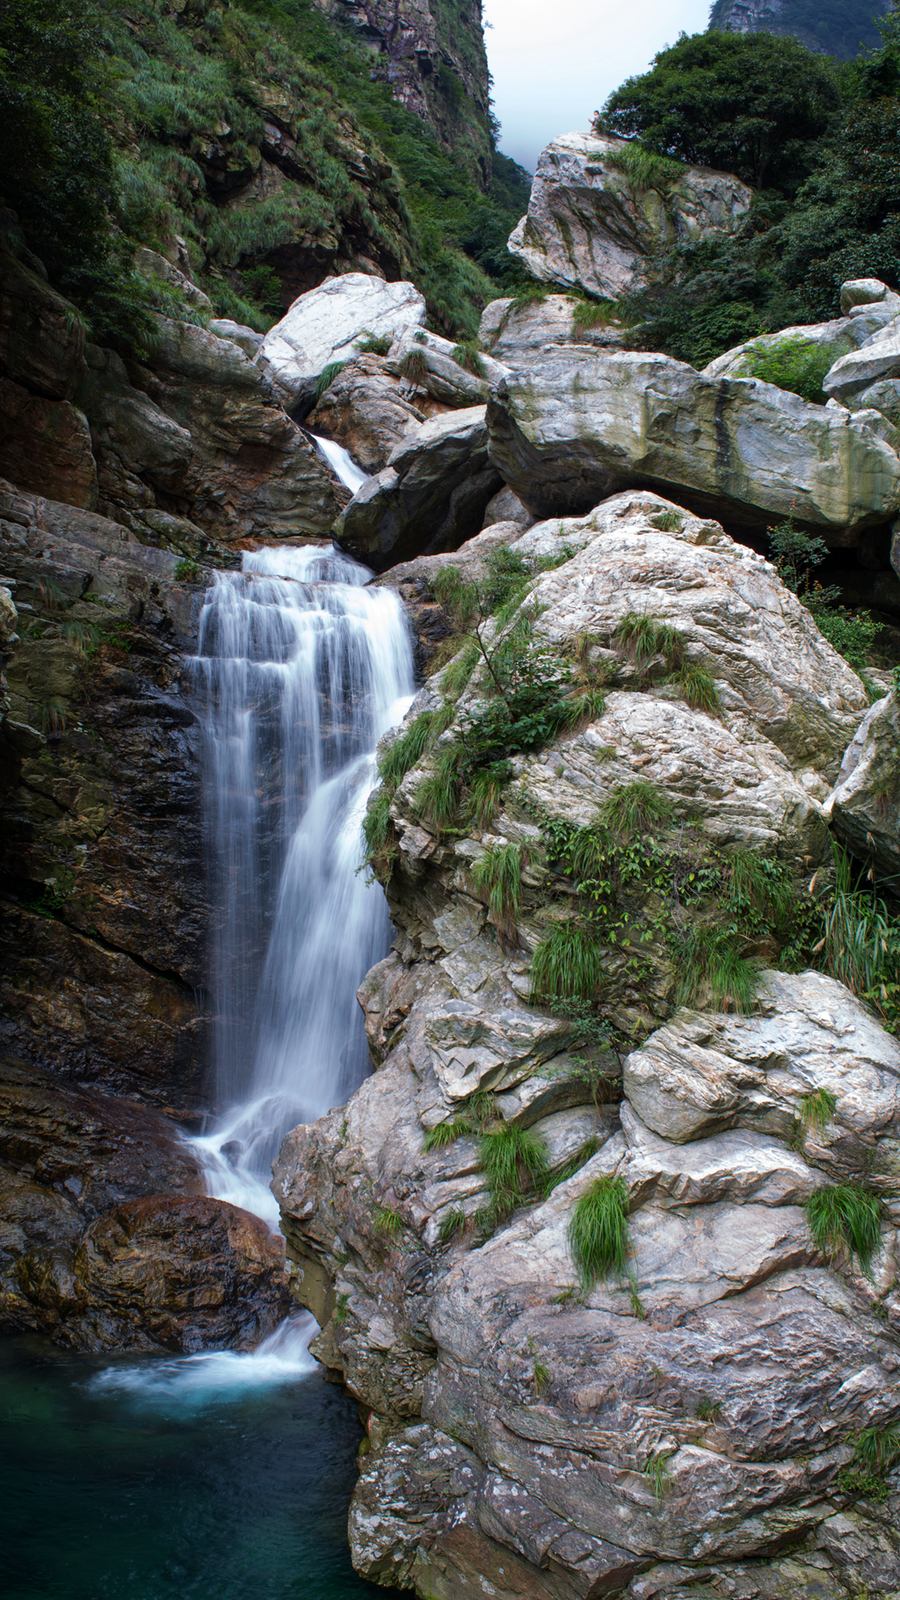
x: 555, y: 61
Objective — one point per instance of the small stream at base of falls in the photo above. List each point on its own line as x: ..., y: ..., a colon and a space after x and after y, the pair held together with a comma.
x: 212, y: 1477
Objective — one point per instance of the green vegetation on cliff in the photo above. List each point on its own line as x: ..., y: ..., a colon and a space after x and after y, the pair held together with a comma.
x: 839, y: 28
x: 819, y: 143
x: 253, y: 132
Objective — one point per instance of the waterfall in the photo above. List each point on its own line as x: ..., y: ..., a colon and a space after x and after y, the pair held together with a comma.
x: 300, y: 669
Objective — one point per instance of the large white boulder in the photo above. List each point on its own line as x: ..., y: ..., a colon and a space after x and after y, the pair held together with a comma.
x: 326, y: 324
x: 595, y: 223
x: 579, y: 424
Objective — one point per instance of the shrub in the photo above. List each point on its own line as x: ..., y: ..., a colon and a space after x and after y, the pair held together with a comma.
x: 598, y: 1231
x: 844, y: 1222
x: 798, y: 365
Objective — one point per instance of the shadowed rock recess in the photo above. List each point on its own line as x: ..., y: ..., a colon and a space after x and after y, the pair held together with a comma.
x: 683, y: 1421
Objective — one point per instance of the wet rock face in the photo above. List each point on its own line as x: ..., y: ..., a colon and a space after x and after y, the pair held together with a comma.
x: 105, y: 915
x: 669, y: 1428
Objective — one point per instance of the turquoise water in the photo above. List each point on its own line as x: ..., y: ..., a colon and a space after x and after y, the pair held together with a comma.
x: 141, y: 1479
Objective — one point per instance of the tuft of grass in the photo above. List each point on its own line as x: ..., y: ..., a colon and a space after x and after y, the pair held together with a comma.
x: 877, y: 1447
x: 541, y: 1377
x: 468, y: 356
x: 709, y: 1410
x: 642, y: 637
x: 52, y: 716
x: 486, y: 789
x: 586, y: 706
x: 758, y: 883
x: 634, y: 809
x: 498, y: 876
x: 446, y: 1133
x: 326, y: 379
x: 388, y: 1222
x: 458, y: 673
x: 567, y: 965
x: 711, y: 959
x: 667, y: 521
x: 592, y: 314
x: 339, y: 1314
x: 437, y: 796
x: 656, y: 1471
x: 406, y: 750
x: 696, y: 684
x: 186, y: 571
x: 83, y: 635
x: 414, y: 366
x: 598, y: 1231
x: 816, y: 1110
x: 862, y: 941
x: 452, y: 1223
x: 374, y: 344
x: 378, y: 831
x: 844, y: 1222
x: 644, y: 169
x: 514, y: 1162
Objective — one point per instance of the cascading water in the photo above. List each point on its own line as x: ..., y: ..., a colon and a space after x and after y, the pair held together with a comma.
x: 300, y: 669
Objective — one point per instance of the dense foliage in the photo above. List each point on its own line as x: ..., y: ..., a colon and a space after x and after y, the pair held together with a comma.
x: 744, y: 103
x: 123, y: 128
x: 825, y: 207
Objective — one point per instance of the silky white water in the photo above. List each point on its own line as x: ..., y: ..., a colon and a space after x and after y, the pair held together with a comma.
x: 299, y: 671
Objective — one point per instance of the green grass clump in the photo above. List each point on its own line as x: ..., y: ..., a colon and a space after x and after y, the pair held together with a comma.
x: 486, y: 792
x: 877, y: 1448
x: 458, y: 673
x: 644, y: 169
x: 437, y: 796
x: 468, y: 356
x: 452, y: 1222
x: 567, y: 965
x: 844, y: 1222
x: 374, y: 344
x: 862, y: 940
x: 668, y: 521
x: 446, y: 1133
x: 414, y: 366
x: 816, y: 1110
x: 378, y: 832
x: 696, y: 684
x: 186, y: 571
x: 635, y: 808
x: 514, y: 1162
x: 710, y: 959
x: 407, y: 749
x: 598, y: 1231
x: 592, y: 314
x: 326, y: 378
x: 388, y: 1222
x: 642, y: 637
x: 498, y: 876
x: 575, y: 1162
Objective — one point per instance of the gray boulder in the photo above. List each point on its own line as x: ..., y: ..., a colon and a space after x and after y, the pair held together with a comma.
x: 514, y: 332
x: 430, y: 497
x: 578, y: 425
x: 367, y: 410
x: 595, y: 222
x: 865, y: 806
x: 429, y: 364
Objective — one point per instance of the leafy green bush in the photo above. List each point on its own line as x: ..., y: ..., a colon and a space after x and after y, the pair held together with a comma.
x: 598, y: 1231
x: 798, y: 365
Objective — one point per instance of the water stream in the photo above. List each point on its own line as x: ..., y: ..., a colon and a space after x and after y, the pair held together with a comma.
x: 300, y: 669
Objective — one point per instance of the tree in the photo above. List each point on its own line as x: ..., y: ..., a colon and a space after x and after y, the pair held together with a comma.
x: 750, y: 104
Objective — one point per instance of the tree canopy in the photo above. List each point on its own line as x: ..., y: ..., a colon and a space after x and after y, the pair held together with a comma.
x: 751, y: 104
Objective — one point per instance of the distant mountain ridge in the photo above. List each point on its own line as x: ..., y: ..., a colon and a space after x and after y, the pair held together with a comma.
x: 839, y: 28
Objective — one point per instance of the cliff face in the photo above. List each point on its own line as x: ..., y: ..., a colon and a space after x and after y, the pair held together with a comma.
x: 831, y: 29
x: 431, y: 53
